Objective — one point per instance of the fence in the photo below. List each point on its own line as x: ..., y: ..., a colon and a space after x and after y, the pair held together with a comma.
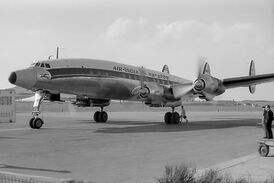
x: 8, y: 177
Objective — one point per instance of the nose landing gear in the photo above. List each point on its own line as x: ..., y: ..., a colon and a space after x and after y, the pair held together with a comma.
x: 36, y: 122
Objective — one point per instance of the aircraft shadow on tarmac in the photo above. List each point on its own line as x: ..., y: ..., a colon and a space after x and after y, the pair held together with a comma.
x: 141, y: 127
x: 4, y: 166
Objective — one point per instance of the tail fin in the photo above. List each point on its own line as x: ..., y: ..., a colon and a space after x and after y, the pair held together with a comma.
x: 165, y: 69
x: 203, y: 66
x: 206, y: 69
x: 252, y: 72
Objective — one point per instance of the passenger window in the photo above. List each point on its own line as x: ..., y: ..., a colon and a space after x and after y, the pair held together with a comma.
x: 47, y: 65
x: 42, y: 65
x: 37, y: 64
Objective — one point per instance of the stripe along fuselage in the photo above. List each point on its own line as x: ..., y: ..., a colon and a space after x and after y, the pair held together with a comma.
x: 100, y: 79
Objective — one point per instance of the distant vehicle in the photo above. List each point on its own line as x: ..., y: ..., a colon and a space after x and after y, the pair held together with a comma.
x: 97, y: 82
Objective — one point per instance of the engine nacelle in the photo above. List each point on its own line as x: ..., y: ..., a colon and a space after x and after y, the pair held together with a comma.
x: 53, y: 97
x: 149, y: 90
x: 208, y: 87
x: 151, y: 103
x: 82, y: 101
x: 99, y: 102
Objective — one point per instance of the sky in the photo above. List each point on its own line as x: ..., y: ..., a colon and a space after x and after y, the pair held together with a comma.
x: 148, y: 33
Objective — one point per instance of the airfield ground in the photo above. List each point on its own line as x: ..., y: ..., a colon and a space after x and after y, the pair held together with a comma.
x: 131, y: 147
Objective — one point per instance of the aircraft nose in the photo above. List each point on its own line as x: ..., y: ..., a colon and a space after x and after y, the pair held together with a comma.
x: 25, y: 78
x: 13, y: 78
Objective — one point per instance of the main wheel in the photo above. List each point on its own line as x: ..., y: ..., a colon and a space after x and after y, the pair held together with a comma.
x: 168, y: 117
x: 31, y: 122
x: 175, y: 118
x: 263, y: 150
x: 96, y: 116
x: 103, y: 117
x: 37, y: 123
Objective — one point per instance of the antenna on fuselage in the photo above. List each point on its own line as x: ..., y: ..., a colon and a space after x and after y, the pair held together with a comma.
x: 57, y: 52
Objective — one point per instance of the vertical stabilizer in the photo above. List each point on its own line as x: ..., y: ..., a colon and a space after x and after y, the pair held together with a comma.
x: 252, y: 72
x: 206, y: 69
x: 165, y: 69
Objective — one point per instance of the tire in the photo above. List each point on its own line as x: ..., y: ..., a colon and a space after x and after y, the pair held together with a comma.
x: 37, y: 123
x: 96, y: 116
x: 263, y: 150
x: 103, y: 117
x: 168, y: 117
x: 31, y: 122
x: 175, y: 118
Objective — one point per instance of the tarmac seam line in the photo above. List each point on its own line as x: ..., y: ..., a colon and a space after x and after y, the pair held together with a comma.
x: 32, y: 178
x: 230, y: 164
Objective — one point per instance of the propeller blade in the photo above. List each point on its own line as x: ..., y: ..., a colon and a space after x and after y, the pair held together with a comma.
x: 200, y: 66
x: 142, y: 89
x: 208, y: 96
x: 142, y: 77
x: 181, y: 89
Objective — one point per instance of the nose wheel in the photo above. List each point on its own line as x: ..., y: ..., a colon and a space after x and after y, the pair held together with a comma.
x: 36, y: 123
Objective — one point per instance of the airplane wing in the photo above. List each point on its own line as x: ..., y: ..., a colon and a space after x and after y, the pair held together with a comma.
x: 247, y: 80
x: 207, y: 86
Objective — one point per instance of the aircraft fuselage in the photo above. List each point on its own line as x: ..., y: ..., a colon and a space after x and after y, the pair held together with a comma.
x: 93, y: 78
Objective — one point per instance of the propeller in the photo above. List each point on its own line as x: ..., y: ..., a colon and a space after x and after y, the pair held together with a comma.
x: 141, y: 90
x: 198, y: 84
x: 206, y: 86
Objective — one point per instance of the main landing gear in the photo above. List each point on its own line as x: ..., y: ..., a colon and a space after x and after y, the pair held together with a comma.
x: 100, y: 116
x: 172, y: 117
x: 36, y: 122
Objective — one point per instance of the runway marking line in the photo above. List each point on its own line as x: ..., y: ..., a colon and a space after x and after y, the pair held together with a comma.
x: 13, y: 129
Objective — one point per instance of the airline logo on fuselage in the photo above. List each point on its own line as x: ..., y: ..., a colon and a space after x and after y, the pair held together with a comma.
x: 124, y: 69
x: 45, y: 75
x: 134, y: 71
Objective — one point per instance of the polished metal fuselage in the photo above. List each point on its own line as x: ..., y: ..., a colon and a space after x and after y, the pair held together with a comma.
x: 96, y: 79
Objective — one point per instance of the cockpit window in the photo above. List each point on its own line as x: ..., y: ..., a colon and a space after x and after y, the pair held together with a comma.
x: 39, y: 64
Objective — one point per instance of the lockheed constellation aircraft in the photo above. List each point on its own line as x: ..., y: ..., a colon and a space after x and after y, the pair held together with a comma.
x: 97, y: 82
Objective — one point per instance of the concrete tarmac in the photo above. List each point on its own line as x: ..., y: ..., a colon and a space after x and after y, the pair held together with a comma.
x: 131, y: 147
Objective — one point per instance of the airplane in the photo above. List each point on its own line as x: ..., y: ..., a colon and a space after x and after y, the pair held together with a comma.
x: 96, y: 82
